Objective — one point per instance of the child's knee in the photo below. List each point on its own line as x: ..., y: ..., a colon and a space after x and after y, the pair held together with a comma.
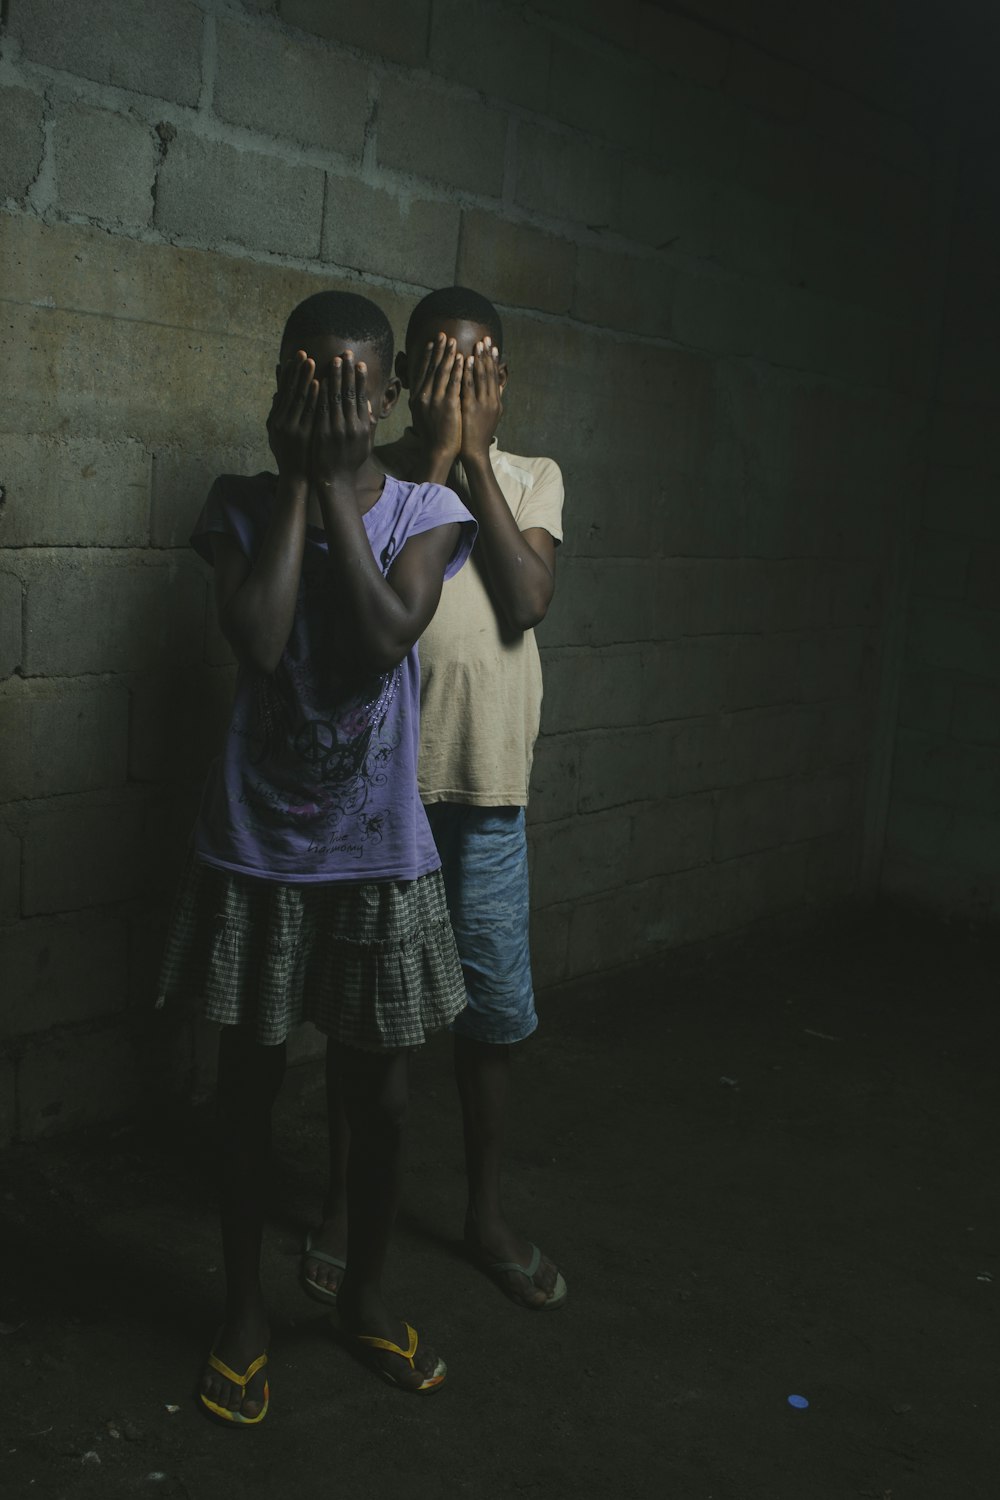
x: 377, y: 1102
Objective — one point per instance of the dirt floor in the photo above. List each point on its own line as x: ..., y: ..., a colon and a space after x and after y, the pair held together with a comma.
x: 766, y: 1172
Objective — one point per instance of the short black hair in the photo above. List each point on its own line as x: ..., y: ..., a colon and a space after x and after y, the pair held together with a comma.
x: 456, y: 304
x: 342, y: 315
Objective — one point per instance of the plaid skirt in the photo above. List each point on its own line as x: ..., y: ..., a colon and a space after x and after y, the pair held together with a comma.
x: 373, y: 965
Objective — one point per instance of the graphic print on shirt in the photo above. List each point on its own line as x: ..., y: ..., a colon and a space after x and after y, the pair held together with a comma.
x: 317, y: 751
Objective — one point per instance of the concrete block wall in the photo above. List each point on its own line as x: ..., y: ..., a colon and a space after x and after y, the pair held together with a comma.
x: 943, y: 835
x: 716, y: 240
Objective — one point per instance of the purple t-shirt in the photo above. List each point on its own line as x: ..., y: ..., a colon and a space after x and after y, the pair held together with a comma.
x: 318, y: 781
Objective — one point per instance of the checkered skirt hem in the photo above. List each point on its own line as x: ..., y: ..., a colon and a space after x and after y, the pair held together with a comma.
x: 374, y: 965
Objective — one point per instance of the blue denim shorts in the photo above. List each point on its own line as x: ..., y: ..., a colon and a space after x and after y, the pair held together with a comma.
x: 484, y: 860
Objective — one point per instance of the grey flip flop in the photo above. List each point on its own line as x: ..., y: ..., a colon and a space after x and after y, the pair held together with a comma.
x: 496, y: 1269
x: 313, y: 1288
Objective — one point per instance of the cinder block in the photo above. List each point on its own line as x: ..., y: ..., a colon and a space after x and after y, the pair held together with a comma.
x: 767, y: 813
x: 834, y: 868
x: 554, y: 779
x: 846, y: 120
x: 681, y: 46
x: 626, y: 767
x: 150, y: 614
x: 273, y: 84
x: 58, y: 972
x: 435, y: 135
x: 514, y: 264
x: 11, y: 601
x: 766, y: 884
x: 771, y: 87
x: 973, y: 840
x: 917, y: 829
x: 751, y: 233
x: 209, y: 191
x: 178, y: 723
x: 62, y: 736
x: 961, y: 501
x: 395, y: 28
x: 410, y: 239
x: 926, y: 699
x: 685, y: 678
x: 153, y: 49
x: 579, y: 858
x: 8, y: 1100
x: 669, y: 211
x: 931, y: 768
x: 489, y: 47
x: 672, y: 835
x: 629, y: 292
x: 620, y: 927
x: 976, y: 714
x: 853, y: 266
x: 565, y: 178
x: 81, y: 852
x: 166, y: 379
x: 618, y: 24
x: 66, y: 1082
x: 941, y: 565
x: 767, y: 743
x: 764, y: 670
x: 73, y: 491
x: 941, y: 888
x: 983, y: 583
x: 10, y: 872
x: 626, y: 592
x: 862, y: 193
x: 182, y: 479
x: 695, y: 130
x: 21, y: 115
x: 105, y: 166
x: 947, y: 638
x: 834, y: 664
x: 549, y: 943
x: 592, y: 690
x: 597, y: 92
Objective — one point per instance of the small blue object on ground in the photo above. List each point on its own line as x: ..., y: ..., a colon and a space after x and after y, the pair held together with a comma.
x: 799, y: 1401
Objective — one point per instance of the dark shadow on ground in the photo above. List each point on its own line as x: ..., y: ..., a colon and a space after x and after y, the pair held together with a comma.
x: 766, y: 1170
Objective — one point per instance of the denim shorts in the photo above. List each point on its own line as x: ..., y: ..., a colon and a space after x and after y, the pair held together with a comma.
x: 484, y: 860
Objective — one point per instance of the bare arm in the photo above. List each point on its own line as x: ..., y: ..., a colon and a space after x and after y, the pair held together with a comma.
x: 377, y: 619
x: 457, y: 407
x: 256, y: 601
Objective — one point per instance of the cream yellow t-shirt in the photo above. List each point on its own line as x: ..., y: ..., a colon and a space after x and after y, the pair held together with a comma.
x: 481, y: 687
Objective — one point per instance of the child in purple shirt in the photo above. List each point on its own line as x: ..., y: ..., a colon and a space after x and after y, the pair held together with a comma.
x: 314, y: 889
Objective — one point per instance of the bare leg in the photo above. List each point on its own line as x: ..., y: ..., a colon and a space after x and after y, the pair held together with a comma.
x: 248, y: 1082
x: 482, y: 1072
x: 332, y: 1234
x: 375, y: 1091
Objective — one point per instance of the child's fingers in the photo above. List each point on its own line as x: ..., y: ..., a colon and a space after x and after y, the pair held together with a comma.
x: 468, y: 382
x: 348, y: 389
x: 336, y: 384
x: 310, y: 403
x: 479, y: 373
x: 446, y: 365
x: 364, y: 406
x: 303, y: 379
x: 455, y: 380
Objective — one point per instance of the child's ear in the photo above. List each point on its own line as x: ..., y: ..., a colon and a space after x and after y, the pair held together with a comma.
x: 502, y: 373
x: 389, y: 397
x: 401, y: 370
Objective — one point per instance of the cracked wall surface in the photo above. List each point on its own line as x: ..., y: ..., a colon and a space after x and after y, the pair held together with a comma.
x: 718, y: 239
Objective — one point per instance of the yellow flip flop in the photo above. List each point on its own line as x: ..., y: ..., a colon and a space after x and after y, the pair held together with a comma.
x: 223, y: 1413
x: 430, y: 1382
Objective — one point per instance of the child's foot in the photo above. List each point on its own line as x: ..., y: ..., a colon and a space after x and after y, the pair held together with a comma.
x: 367, y: 1318
x: 319, y: 1274
x: 496, y: 1248
x: 240, y: 1340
